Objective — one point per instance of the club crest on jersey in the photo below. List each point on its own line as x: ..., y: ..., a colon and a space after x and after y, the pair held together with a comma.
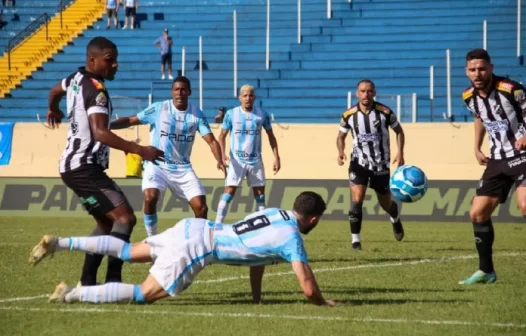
x: 520, y: 96
x: 98, y: 85
x: 101, y: 99
x: 376, y: 124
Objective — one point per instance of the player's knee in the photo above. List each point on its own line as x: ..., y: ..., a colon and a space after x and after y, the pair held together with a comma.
x: 201, y: 211
x: 150, y: 199
x: 477, y: 215
x: 127, y: 221
x: 522, y: 207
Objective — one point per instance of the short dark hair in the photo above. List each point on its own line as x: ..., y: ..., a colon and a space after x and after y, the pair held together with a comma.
x: 478, y: 54
x: 309, y: 203
x: 182, y: 79
x: 98, y: 44
x: 366, y: 81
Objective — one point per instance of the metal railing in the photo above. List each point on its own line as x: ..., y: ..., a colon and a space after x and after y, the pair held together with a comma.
x: 63, y: 4
x: 25, y: 33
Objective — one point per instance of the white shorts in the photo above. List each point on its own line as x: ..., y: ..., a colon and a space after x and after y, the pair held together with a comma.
x: 184, y: 184
x: 180, y: 253
x: 237, y: 171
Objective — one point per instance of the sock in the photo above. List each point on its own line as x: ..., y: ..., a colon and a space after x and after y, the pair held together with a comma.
x: 484, y: 237
x: 150, y: 223
x: 260, y: 202
x: 114, y: 271
x: 91, y: 263
x: 222, y: 208
x: 108, y: 293
x: 393, y: 212
x: 355, y: 220
x: 102, y: 245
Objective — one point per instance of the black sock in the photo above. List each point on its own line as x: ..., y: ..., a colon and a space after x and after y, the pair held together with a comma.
x: 484, y: 237
x: 114, y: 272
x: 91, y: 264
x: 393, y: 212
x: 355, y: 217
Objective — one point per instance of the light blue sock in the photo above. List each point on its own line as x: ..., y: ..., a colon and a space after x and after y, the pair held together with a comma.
x: 106, y: 245
x: 260, y: 202
x: 150, y: 223
x: 222, y: 208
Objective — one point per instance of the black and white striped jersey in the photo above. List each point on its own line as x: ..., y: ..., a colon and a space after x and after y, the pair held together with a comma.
x: 370, y: 132
x: 86, y: 94
x: 502, y: 114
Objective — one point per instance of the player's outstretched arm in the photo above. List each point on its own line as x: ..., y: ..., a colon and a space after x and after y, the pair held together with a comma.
x: 222, y: 144
x: 480, y: 132
x: 216, y: 150
x: 274, y: 146
x: 308, y: 284
x: 400, y: 141
x: 340, y: 144
x: 54, y: 114
x: 256, y: 278
x: 125, y: 122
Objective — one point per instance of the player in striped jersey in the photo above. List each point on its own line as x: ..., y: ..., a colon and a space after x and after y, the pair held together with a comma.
x: 181, y: 252
x: 173, y: 126
x: 86, y: 155
x: 499, y: 107
x: 369, y: 123
x: 245, y: 124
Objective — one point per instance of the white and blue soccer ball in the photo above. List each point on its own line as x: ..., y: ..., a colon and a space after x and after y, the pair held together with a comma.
x: 408, y: 184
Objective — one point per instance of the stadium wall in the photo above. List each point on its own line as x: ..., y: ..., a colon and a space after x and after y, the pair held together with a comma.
x: 29, y: 185
x: 308, y: 151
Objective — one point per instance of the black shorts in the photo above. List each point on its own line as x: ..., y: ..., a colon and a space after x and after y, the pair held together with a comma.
x: 130, y: 11
x: 500, y: 176
x: 166, y: 59
x: 110, y: 12
x: 96, y: 191
x: 376, y: 180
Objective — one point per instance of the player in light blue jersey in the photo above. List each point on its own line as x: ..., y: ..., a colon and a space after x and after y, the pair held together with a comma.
x: 181, y: 252
x: 173, y: 126
x: 245, y: 124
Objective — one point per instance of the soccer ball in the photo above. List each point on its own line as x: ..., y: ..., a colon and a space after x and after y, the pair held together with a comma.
x: 408, y: 184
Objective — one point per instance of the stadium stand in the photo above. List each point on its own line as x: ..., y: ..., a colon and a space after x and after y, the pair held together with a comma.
x: 391, y: 42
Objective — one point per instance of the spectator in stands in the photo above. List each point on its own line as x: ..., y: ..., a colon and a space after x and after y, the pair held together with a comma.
x: 112, y: 7
x: 6, y: 3
x: 131, y: 11
x: 164, y: 43
x: 1, y: 20
x: 220, y: 115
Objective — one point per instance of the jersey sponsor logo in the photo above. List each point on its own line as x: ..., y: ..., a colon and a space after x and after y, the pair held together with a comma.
x: 499, y: 126
x: 168, y: 161
x: 467, y: 93
x: 506, y: 87
x: 101, y: 99
x: 149, y: 110
x: 177, y: 137
x: 517, y: 161
x: 369, y: 137
x: 247, y: 132
x: 242, y: 154
x: 520, y: 96
x: 98, y: 85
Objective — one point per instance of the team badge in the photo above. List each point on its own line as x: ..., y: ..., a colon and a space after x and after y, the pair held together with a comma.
x: 101, y: 99
x: 352, y: 176
x: 520, y: 96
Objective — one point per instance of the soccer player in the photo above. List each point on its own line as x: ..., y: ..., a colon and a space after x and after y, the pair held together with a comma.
x: 499, y: 107
x: 369, y: 122
x: 181, y: 252
x: 84, y: 160
x: 173, y: 125
x: 245, y: 124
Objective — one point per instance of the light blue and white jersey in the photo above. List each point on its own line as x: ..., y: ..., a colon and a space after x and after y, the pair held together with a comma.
x: 264, y: 237
x: 245, y: 133
x: 111, y: 4
x: 173, y: 132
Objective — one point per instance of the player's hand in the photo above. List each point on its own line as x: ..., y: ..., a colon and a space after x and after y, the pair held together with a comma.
x: 150, y: 153
x: 399, y: 159
x: 341, y: 159
x: 330, y: 303
x: 521, y: 143
x: 226, y: 160
x: 277, y: 165
x: 54, y: 118
x: 481, y: 158
x: 221, y: 166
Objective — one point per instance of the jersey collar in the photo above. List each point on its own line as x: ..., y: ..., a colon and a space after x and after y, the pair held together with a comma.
x: 83, y: 71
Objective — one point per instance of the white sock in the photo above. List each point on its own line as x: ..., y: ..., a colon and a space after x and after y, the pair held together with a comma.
x: 355, y: 237
x: 222, y: 208
x: 394, y: 220
x: 110, y: 292
x: 106, y: 245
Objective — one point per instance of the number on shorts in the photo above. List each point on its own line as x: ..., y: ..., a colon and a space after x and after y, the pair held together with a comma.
x: 251, y: 224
